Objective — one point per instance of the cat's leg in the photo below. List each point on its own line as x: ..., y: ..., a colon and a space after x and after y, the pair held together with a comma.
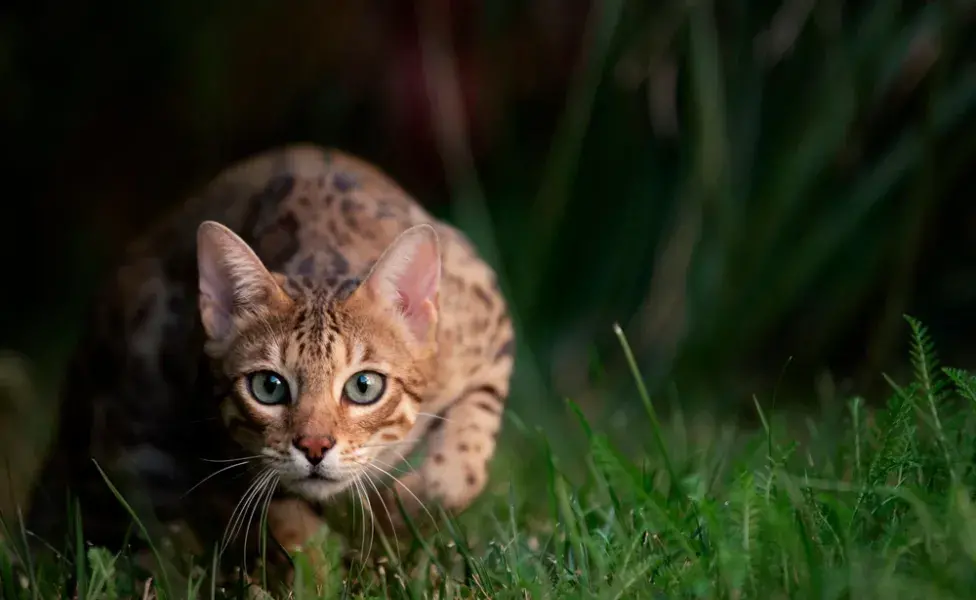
x: 461, y: 438
x: 293, y: 524
x: 454, y: 472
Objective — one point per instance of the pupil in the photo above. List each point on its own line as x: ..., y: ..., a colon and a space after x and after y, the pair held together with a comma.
x: 362, y: 383
x: 271, y: 384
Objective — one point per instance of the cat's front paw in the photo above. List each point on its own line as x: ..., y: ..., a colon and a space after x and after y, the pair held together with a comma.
x: 302, y: 534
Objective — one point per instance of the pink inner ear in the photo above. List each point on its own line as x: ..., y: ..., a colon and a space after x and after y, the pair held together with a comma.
x: 401, y: 303
x: 216, y: 292
x: 231, y: 278
x: 214, y: 285
x: 418, y: 282
x: 408, y: 279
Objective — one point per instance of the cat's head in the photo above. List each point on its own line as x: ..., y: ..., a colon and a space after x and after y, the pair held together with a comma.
x: 320, y: 388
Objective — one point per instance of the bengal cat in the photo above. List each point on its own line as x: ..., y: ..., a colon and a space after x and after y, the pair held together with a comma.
x: 288, y: 334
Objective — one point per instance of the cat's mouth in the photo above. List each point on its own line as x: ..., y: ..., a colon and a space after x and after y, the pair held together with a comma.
x: 317, y: 487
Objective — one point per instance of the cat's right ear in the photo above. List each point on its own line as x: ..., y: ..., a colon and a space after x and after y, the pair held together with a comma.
x: 233, y: 282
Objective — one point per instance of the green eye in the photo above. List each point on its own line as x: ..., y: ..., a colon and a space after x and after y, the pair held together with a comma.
x: 365, y: 387
x: 268, y: 387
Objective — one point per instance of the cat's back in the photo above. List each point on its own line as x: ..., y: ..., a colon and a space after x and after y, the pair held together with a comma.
x: 290, y: 203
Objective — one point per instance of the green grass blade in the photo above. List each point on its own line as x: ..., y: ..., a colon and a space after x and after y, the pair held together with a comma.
x: 139, y: 524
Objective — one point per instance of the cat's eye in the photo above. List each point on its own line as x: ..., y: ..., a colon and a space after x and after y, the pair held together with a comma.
x: 268, y: 387
x: 364, y: 387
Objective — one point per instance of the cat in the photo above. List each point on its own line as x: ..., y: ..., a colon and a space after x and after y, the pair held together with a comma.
x: 288, y: 334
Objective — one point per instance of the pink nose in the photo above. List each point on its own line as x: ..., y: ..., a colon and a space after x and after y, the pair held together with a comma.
x: 314, y: 447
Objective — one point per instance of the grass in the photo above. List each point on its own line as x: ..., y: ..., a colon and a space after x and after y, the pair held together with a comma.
x: 878, y: 505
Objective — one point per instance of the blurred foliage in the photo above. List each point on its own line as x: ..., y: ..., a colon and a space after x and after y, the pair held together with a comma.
x: 795, y: 195
x: 740, y: 185
x: 755, y: 191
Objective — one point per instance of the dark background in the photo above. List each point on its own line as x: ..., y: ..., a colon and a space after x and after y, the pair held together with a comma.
x: 756, y: 191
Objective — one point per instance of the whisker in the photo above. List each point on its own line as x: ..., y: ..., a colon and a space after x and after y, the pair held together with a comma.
x: 392, y: 467
x: 396, y: 539
x: 362, y: 512
x: 233, y: 514
x: 415, y: 497
x: 267, y: 488
x: 249, y: 469
x: 214, y: 474
x: 433, y: 416
x: 249, y: 507
x: 358, y: 497
x: 230, y: 530
x: 227, y: 460
x: 403, y: 458
x: 258, y: 501
x: 372, y: 519
x: 264, y: 514
x: 363, y: 503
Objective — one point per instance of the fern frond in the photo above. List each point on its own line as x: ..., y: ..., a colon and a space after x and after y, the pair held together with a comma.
x: 925, y: 361
x: 933, y: 385
x: 895, y: 454
x: 965, y: 383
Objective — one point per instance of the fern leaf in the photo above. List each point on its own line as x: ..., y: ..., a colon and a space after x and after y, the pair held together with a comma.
x: 964, y: 382
x: 925, y: 361
x: 933, y: 385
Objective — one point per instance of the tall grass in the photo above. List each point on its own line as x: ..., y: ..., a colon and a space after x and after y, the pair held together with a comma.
x: 879, y: 505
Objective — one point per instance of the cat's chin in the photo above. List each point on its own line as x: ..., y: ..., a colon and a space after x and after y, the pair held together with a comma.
x: 317, y: 489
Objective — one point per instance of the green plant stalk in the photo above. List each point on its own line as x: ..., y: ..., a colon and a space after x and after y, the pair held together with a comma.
x: 648, y: 406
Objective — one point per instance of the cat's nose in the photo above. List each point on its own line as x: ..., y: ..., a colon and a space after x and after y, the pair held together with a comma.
x: 314, y: 447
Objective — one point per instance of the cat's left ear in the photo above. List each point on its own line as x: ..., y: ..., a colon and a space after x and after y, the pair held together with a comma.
x: 233, y: 282
x: 407, y: 278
